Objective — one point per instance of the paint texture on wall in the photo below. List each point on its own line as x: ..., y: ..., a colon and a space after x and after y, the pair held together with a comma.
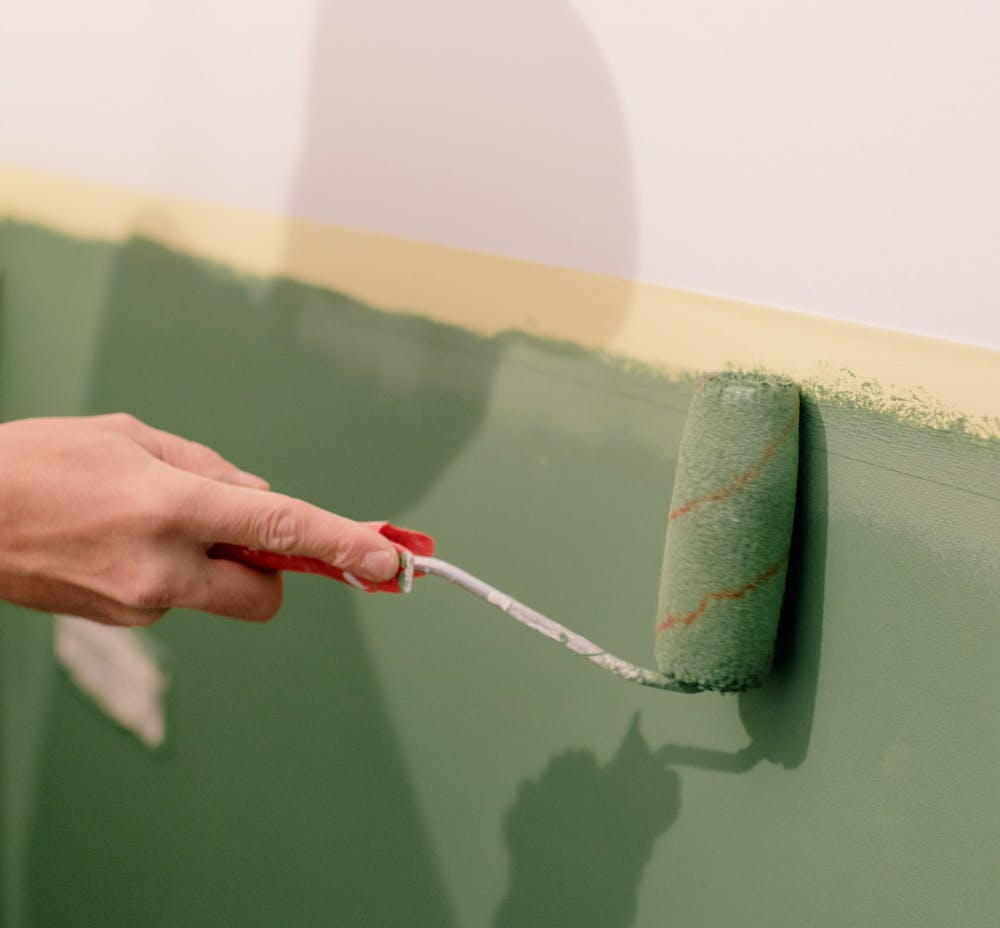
x: 421, y: 760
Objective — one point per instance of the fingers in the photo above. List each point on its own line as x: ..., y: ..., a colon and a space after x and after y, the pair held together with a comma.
x: 219, y: 587
x: 189, y: 580
x: 200, y: 459
x: 197, y: 498
x: 230, y: 589
x: 181, y: 453
x: 216, y: 512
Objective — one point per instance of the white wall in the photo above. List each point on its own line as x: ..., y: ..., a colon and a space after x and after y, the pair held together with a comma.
x: 833, y: 158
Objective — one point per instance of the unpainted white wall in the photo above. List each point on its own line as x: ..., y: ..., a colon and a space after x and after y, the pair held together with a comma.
x: 832, y: 158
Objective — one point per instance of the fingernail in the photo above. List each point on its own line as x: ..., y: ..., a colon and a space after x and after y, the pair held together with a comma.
x: 380, y: 565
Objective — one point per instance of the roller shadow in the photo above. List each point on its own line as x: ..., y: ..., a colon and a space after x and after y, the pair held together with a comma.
x: 779, y: 716
x: 579, y: 837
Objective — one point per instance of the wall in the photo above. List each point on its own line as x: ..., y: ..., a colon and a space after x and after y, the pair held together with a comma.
x: 835, y: 159
x: 439, y: 269
x: 377, y: 761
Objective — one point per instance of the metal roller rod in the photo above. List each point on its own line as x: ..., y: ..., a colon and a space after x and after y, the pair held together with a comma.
x: 536, y: 621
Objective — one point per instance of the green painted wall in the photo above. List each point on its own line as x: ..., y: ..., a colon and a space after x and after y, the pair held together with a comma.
x: 424, y: 761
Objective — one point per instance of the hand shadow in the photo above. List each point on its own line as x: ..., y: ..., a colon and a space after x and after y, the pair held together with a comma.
x: 581, y: 835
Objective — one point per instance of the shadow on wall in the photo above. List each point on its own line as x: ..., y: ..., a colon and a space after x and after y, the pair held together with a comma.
x: 287, y: 794
x: 779, y: 716
x: 579, y: 838
x: 493, y: 126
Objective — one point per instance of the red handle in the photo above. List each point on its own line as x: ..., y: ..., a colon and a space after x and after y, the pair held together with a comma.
x: 404, y: 540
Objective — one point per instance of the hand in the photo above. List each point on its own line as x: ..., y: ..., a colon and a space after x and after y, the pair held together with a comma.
x: 107, y: 518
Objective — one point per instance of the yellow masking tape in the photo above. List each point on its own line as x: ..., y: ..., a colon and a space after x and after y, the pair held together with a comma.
x: 672, y: 331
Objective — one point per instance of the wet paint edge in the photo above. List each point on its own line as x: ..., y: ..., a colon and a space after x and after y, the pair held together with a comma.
x: 668, y: 333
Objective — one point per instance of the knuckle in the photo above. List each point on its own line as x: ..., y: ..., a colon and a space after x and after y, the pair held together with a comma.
x: 348, y: 552
x: 153, y: 590
x: 199, y: 455
x: 165, y: 512
x: 279, y: 529
x: 122, y: 420
x: 208, y: 454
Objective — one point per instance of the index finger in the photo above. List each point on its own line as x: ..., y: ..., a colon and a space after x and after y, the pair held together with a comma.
x: 218, y: 512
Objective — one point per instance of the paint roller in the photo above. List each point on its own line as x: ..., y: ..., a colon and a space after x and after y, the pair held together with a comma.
x: 726, y: 554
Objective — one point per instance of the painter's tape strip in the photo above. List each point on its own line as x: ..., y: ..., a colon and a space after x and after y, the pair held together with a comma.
x: 676, y: 333
x: 118, y: 671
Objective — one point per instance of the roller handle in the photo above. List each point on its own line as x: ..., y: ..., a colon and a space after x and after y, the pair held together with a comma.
x: 416, y: 560
x: 405, y: 541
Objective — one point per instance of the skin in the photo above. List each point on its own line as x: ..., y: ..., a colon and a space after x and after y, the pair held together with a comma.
x: 107, y: 518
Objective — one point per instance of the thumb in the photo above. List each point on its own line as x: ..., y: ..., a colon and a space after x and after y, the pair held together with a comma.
x: 219, y: 512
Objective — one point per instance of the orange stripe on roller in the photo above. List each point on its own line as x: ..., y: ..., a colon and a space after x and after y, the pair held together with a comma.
x: 719, y: 596
x: 743, y: 479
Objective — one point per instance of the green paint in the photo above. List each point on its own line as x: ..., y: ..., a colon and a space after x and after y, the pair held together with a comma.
x: 46, y: 362
x: 731, y: 515
x: 421, y: 760
x: 914, y: 407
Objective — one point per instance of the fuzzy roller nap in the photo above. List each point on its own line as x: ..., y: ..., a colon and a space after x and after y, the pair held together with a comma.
x: 726, y: 554
x: 728, y: 533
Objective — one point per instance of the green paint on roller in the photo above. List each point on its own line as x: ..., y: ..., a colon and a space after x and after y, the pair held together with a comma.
x: 727, y: 545
x: 728, y: 535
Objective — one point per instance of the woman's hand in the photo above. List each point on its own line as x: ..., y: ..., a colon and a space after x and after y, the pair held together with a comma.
x: 107, y: 518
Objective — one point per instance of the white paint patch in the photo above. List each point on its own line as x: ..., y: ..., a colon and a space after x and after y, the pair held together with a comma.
x: 408, y: 566
x: 354, y: 581
x: 500, y: 600
x: 112, y: 666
